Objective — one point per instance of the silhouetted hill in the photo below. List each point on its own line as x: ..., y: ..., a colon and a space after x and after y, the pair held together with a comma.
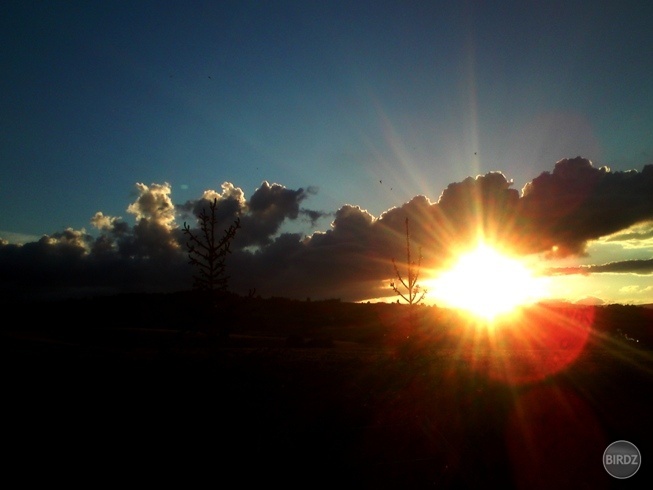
x: 364, y: 322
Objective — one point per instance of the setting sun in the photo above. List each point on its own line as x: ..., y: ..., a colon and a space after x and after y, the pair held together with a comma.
x: 487, y: 283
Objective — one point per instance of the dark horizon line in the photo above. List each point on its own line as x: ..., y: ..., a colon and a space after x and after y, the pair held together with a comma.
x: 256, y: 297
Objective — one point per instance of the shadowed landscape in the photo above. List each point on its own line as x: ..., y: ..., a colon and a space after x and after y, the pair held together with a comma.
x: 312, y: 393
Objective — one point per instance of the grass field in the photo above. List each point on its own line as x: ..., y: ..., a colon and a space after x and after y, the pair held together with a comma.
x: 341, y: 407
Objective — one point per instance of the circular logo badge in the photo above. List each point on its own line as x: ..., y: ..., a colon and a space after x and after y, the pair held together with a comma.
x: 622, y: 459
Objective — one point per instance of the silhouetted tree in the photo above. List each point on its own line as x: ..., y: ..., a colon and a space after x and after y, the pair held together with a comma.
x: 411, y: 343
x: 413, y: 291
x: 208, y: 252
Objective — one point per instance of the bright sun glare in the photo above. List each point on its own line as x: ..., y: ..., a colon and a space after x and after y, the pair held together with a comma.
x: 487, y: 283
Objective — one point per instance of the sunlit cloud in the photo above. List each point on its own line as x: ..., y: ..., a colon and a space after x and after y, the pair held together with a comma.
x: 154, y: 204
x: 103, y: 222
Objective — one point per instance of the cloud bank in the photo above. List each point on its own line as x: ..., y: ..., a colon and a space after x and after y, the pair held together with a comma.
x: 556, y: 214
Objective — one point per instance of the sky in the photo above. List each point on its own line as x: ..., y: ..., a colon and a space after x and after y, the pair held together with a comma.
x: 323, y: 126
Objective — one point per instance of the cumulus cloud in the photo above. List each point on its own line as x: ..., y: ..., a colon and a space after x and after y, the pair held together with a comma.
x: 261, y: 216
x: 154, y: 205
x: 577, y: 202
x: 103, y: 222
x: 557, y: 213
x: 267, y: 209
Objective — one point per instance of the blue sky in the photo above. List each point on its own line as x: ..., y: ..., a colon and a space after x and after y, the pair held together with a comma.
x: 364, y: 103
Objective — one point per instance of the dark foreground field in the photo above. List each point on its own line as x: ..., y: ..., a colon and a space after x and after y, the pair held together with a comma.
x: 314, y: 396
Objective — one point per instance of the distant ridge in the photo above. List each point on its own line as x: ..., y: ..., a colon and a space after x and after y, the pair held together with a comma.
x: 590, y: 301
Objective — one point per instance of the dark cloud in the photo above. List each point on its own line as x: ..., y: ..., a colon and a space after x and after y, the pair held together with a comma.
x: 267, y: 209
x: 644, y: 266
x: 643, y: 234
x: 142, y: 257
x: 557, y: 213
x: 314, y: 216
x: 261, y: 217
x: 230, y: 204
x: 323, y: 265
x: 562, y: 210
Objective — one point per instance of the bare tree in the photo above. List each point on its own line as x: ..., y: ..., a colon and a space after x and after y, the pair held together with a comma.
x: 208, y: 253
x: 413, y: 293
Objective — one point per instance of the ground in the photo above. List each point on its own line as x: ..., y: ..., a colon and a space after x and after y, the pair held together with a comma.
x: 163, y: 405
